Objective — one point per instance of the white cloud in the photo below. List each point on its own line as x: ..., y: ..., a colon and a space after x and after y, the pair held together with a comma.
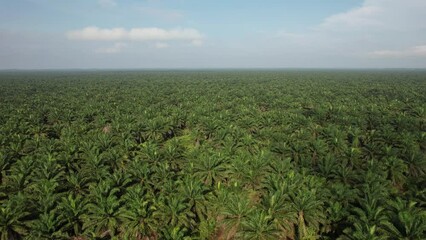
x: 364, y: 16
x: 135, y: 34
x: 107, y: 3
x: 116, y: 48
x: 163, y: 14
x: 146, y: 34
x: 378, y: 15
x: 197, y: 42
x: 377, y: 33
x: 417, y: 51
x: 161, y: 45
x: 94, y: 33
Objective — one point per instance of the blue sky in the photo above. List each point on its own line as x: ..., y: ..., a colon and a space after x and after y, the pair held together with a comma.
x: 45, y: 34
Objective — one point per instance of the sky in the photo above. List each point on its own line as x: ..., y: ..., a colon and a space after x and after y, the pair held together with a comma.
x: 133, y: 34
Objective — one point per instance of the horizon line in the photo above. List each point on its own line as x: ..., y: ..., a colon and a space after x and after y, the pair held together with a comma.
x: 207, y: 68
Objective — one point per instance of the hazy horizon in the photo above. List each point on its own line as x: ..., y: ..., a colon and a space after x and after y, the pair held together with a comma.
x: 247, y: 69
x: 192, y: 35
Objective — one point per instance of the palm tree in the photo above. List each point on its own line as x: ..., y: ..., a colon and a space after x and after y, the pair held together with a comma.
x: 255, y: 168
x: 335, y: 139
x: 210, y: 168
x: 19, y: 177
x: 397, y: 170
x: 406, y: 221
x: 150, y: 151
x: 297, y: 149
x: 48, y: 168
x: 248, y: 142
x: 235, y: 211
x: 119, y: 179
x: 338, y: 206
x: 344, y: 172
x: 44, y: 194
x: 309, y: 210
x: 76, y: 182
x: 208, y: 127
x: 68, y: 158
x: 115, y: 158
x: 104, y: 141
x: 416, y: 164
x: 173, y: 152
x: 16, y: 145
x: 140, y: 172
x: 46, y: 226
x: 277, y: 205
x: 408, y: 143
x: 194, y: 193
x: 137, y: 214
x: 102, y: 213
x: 155, y: 129
x: 175, y: 233
x: 368, y: 219
x: 173, y: 211
x: 162, y: 176
x: 4, y: 164
x: 71, y: 210
x: 326, y: 166
x: 238, y: 168
x: 318, y: 149
x: 289, y: 182
x: 336, y: 214
x: 362, y: 232
x: 279, y: 166
x: 94, y: 166
x: 13, y: 215
x: 353, y: 155
x: 259, y: 226
x: 354, y: 136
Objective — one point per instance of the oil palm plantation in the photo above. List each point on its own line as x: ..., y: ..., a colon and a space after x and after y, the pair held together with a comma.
x: 212, y: 155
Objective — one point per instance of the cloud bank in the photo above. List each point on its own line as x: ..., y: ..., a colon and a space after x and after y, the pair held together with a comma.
x: 161, y: 45
x: 417, y: 51
x: 107, y: 3
x: 162, y: 13
x: 364, y: 16
x: 116, y: 48
x: 382, y: 15
x: 378, y: 33
x: 135, y: 34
